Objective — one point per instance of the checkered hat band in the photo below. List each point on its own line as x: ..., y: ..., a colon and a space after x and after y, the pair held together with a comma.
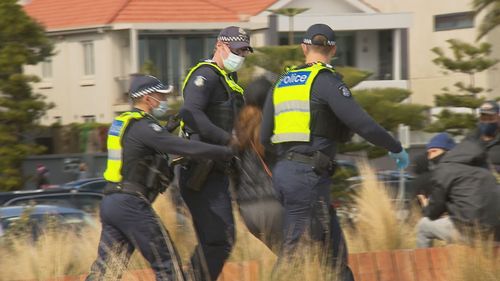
x: 309, y: 42
x: 241, y: 38
x: 147, y: 91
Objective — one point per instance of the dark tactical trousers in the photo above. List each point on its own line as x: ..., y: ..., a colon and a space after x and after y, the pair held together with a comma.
x: 213, y: 221
x: 129, y: 222
x: 308, y: 210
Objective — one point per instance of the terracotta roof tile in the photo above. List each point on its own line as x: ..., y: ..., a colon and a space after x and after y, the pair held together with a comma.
x: 55, y: 14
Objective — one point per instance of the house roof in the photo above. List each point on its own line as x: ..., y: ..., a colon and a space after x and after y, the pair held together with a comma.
x: 62, y: 14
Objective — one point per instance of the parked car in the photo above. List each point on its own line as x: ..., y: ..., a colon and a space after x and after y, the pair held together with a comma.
x: 39, y: 215
x: 91, y: 184
x: 87, y: 201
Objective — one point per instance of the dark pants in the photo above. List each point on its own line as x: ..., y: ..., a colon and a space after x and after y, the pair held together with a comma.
x: 213, y: 222
x: 308, y: 210
x: 129, y: 222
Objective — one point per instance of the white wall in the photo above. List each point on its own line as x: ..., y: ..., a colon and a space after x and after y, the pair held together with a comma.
x: 75, y: 94
x: 427, y: 79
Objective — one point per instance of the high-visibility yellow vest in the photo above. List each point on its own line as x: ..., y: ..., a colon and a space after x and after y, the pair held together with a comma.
x: 230, y: 82
x: 292, y: 107
x: 114, y: 142
x: 233, y: 86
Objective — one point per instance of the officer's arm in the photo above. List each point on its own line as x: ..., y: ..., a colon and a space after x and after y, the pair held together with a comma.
x: 161, y: 140
x: 339, y: 98
x: 196, y: 100
x: 267, y: 126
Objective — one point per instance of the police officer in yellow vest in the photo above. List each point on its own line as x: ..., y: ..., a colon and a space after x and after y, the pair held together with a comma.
x: 137, y: 170
x: 212, y: 99
x: 308, y: 113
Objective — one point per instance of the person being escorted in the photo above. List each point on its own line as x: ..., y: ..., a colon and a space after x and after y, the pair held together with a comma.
x: 465, y: 195
x: 212, y: 99
x: 137, y: 171
x: 310, y: 111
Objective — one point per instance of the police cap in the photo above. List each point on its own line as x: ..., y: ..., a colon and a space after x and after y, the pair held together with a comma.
x: 141, y: 85
x: 236, y: 37
x: 319, y: 29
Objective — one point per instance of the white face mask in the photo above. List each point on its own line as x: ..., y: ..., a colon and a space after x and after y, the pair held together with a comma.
x: 161, y: 109
x: 233, y: 62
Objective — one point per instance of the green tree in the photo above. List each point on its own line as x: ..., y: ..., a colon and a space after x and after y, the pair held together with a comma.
x: 22, y: 42
x: 469, y: 60
x: 491, y: 18
x: 387, y: 107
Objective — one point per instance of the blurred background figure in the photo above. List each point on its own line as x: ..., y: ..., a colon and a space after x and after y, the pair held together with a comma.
x: 83, y: 171
x: 487, y: 132
x: 258, y: 204
x: 42, y: 177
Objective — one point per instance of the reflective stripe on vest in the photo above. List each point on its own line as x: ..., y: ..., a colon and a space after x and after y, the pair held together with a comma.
x: 292, y: 107
x: 114, y: 143
x: 230, y: 82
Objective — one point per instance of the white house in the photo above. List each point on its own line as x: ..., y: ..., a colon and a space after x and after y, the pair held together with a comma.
x: 99, y: 43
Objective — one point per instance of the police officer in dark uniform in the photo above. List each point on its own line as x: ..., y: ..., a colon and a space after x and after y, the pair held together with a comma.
x: 308, y: 113
x: 212, y: 99
x: 137, y: 170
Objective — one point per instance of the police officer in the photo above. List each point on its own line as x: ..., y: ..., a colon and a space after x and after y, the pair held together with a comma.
x: 308, y: 113
x: 212, y: 99
x: 136, y: 170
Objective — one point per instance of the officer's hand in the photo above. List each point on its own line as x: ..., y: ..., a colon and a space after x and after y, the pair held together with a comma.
x: 235, y: 146
x: 401, y: 158
x: 173, y: 123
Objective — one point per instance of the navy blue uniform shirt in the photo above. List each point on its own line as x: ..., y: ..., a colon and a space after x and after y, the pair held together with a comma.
x: 146, y: 137
x: 203, y: 88
x: 329, y: 89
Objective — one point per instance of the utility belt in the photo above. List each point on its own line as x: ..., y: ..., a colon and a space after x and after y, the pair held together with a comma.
x: 131, y: 188
x: 321, y: 164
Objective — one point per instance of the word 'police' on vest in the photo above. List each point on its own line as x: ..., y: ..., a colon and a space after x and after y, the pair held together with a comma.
x: 294, y: 79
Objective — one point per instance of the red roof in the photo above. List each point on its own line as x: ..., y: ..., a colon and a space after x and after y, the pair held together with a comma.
x: 59, y: 14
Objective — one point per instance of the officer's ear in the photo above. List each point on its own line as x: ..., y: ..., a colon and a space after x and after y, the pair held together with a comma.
x: 333, y: 51
x: 305, y: 49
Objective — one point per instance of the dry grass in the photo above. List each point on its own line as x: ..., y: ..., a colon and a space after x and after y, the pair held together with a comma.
x: 377, y: 227
x: 58, y: 254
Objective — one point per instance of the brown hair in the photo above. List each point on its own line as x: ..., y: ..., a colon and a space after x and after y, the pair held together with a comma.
x: 248, y: 129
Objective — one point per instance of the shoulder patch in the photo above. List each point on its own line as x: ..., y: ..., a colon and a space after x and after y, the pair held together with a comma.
x: 199, y: 81
x: 157, y: 128
x: 345, y: 91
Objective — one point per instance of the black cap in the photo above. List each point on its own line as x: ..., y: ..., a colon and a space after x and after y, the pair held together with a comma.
x: 489, y: 107
x: 319, y: 29
x: 141, y: 85
x: 236, y: 37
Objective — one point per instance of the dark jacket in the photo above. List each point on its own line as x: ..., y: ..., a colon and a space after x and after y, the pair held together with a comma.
x: 492, y: 147
x: 464, y: 187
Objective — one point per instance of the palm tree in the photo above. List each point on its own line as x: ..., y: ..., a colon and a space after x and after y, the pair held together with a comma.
x: 492, y: 17
x: 290, y: 13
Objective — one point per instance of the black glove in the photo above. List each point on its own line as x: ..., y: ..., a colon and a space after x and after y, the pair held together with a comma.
x: 173, y: 123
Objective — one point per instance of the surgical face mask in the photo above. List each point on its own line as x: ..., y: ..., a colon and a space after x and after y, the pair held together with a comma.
x: 161, y: 109
x: 233, y: 62
x: 488, y: 129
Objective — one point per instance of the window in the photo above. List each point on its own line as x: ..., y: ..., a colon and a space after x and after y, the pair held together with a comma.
x: 47, y: 68
x: 88, y: 118
x: 453, y: 21
x: 88, y: 58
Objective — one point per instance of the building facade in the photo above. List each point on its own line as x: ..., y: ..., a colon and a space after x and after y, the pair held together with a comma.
x: 100, y: 43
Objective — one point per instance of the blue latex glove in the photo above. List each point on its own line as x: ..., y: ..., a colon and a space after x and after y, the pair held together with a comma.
x: 401, y: 158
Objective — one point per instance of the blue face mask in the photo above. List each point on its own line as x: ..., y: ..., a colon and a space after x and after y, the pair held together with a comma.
x: 488, y: 129
x: 160, y: 110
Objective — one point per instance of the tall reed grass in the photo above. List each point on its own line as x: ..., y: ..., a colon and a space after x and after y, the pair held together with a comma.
x: 377, y: 228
